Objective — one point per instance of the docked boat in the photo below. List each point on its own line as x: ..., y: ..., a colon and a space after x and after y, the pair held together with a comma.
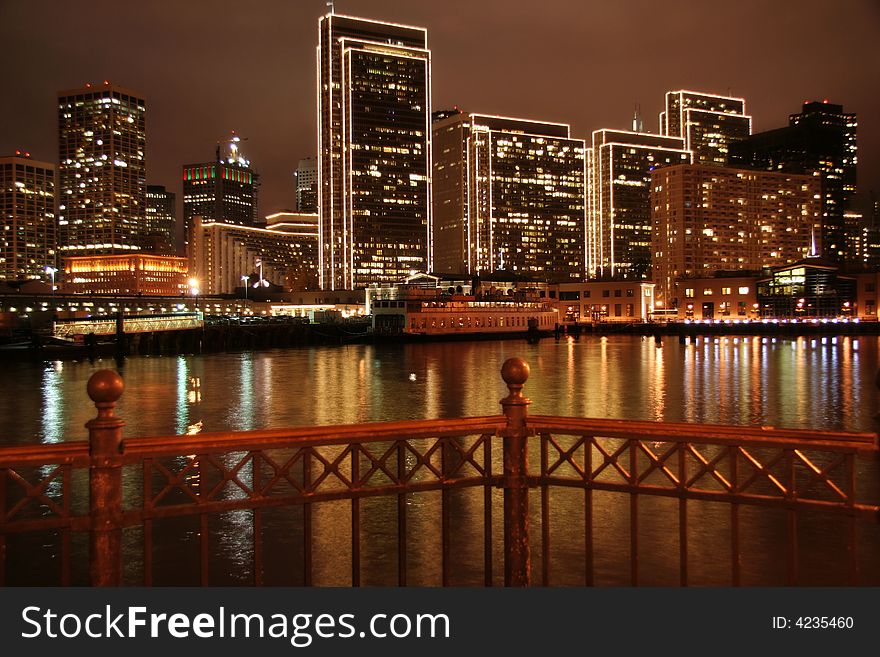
x: 413, y: 313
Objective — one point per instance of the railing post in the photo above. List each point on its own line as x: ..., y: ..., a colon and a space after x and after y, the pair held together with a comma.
x: 105, y: 480
x: 517, y: 556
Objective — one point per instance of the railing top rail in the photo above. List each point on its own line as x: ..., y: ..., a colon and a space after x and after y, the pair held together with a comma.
x: 138, y: 448
x: 835, y: 441
x: 73, y: 452
x: 77, y: 452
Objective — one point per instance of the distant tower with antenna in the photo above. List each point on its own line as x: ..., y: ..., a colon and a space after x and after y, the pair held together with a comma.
x: 638, y: 123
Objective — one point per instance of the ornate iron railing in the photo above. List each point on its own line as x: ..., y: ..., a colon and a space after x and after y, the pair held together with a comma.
x: 102, y: 487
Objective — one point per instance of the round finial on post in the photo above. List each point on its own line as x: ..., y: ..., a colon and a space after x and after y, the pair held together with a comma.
x: 515, y: 373
x: 105, y: 386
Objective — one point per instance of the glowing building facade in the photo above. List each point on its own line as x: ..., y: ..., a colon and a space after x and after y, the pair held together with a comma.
x: 819, y: 141
x: 131, y: 273
x: 27, y: 218
x: 619, y: 200
x: 101, y: 170
x: 709, y: 219
x: 707, y: 123
x: 509, y: 195
x: 374, y: 151
x: 284, y: 253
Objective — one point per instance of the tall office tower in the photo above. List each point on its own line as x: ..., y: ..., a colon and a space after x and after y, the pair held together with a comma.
x: 619, y: 195
x: 509, y: 195
x: 708, y: 219
x: 821, y: 141
x: 27, y: 217
x: 161, y: 225
x: 307, y: 185
x: 225, y: 190
x: 101, y: 170
x: 374, y: 151
x: 707, y: 123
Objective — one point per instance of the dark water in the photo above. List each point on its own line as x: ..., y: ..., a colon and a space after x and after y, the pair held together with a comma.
x: 811, y: 383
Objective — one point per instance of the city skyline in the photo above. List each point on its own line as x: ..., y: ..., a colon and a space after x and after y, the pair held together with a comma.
x: 266, y: 90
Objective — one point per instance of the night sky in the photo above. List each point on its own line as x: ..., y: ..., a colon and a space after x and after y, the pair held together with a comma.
x: 209, y: 66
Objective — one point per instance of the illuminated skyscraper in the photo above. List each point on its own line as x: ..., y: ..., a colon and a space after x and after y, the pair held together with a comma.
x: 225, y: 190
x: 161, y: 219
x: 374, y: 151
x: 509, y: 195
x: 708, y: 123
x: 820, y: 141
x: 27, y: 218
x: 619, y: 194
x: 101, y: 170
x: 709, y: 219
x: 307, y: 185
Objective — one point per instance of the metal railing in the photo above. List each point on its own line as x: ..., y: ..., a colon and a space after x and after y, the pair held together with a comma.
x: 84, y: 488
x: 131, y: 324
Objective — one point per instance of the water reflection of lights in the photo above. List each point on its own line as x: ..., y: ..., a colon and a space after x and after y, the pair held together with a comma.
x: 52, y: 418
x: 182, y: 407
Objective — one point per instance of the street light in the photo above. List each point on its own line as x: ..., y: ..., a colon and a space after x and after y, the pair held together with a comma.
x: 194, y: 289
x: 52, y: 271
x: 245, y: 280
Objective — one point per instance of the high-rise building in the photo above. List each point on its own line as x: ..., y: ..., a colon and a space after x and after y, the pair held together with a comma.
x: 161, y: 224
x: 819, y: 141
x: 374, y: 151
x: 709, y: 219
x: 509, y: 195
x: 101, y: 170
x: 307, y: 185
x: 225, y: 190
x: 619, y: 195
x: 27, y: 217
x: 708, y: 123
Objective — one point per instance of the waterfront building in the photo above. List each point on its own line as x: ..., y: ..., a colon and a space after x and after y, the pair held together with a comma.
x: 306, y: 176
x: 284, y: 254
x: 509, y: 195
x: 708, y: 123
x: 425, y: 305
x: 27, y: 219
x: 101, y: 170
x: 374, y: 151
x: 139, y: 274
x: 224, y: 191
x: 161, y: 223
x: 726, y: 296
x: 819, y: 141
x: 708, y: 219
x: 619, y: 199
x: 807, y: 289
x: 627, y: 301
x: 867, y: 296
